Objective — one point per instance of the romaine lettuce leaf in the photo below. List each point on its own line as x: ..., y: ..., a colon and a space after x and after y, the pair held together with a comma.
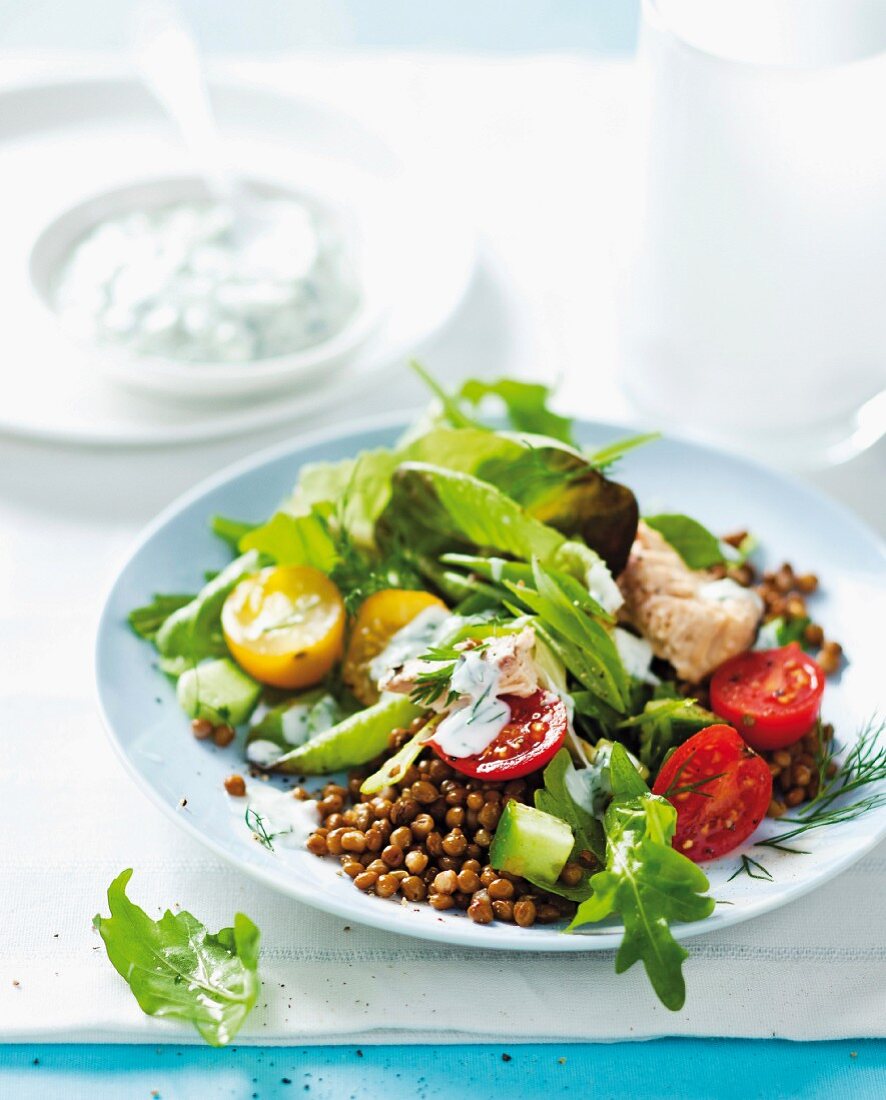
x: 176, y: 968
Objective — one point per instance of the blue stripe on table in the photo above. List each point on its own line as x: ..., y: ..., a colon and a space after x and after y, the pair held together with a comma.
x: 667, y: 1068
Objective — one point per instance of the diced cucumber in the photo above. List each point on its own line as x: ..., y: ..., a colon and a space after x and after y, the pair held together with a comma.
x: 531, y: 843
x: 354, y: 741
x: 218, y: 691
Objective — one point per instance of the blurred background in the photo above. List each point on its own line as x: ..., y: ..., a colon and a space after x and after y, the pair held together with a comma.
x: 278, y: 26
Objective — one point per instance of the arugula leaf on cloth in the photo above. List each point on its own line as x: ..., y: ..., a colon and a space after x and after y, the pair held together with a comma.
x: 194, y: 631
x: 294, y: 540
x: 176, y: 968
x: 665, y: 722
x: 558, y: 797
x: 147, y: 620
x: 695, y: 544
x: 646, y: 881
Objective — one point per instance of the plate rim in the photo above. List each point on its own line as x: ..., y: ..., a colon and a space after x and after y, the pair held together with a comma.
x: 455, y: 936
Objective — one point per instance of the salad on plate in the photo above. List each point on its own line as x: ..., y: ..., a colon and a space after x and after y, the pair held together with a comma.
x: 527, y: 703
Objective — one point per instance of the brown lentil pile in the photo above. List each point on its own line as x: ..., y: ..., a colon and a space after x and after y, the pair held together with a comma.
x: 426, y: 839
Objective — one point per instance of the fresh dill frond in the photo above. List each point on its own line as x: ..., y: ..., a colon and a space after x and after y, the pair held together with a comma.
x: 431, y: 685
x: 256, y: 823
x: 863, y: 768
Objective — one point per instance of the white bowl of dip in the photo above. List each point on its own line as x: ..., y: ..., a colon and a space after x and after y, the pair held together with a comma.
x: 174, y: 298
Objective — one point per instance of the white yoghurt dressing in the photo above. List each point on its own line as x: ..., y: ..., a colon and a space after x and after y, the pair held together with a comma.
x: 188, y: 281
x: 636, y: 655
x: 287, y: 820
x: 599, y: 583
x: 479, y: 716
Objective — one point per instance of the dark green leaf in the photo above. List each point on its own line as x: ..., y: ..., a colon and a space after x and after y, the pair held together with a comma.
x: 176, y: 968
x: 694, y: 543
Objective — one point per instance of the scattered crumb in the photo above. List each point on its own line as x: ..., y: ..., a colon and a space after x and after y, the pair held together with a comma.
x: 182, y: 802
x: 852, y: 1053
x: 16, y: 984
x: 561, y: 1061
x: 506, y: 1057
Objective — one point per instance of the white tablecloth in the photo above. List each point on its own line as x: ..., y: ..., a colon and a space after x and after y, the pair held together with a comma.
x: 534, y: 141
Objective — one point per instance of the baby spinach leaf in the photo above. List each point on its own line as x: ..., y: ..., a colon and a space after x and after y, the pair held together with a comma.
x: 694, y: 543
x: 147, y: 620
x: 646, y: 881
x: 176, y: 968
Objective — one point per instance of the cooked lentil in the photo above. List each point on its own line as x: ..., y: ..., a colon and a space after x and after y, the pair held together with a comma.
x: 425, y: 838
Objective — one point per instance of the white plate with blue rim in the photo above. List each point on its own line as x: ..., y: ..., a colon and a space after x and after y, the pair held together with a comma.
x: 153, y: 739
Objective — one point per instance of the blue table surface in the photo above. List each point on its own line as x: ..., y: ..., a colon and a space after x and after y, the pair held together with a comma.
x: 678, y: 1068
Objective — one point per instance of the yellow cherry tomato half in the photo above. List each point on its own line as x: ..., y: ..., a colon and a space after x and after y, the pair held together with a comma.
x: 378, y: 620
x: 285, y: 625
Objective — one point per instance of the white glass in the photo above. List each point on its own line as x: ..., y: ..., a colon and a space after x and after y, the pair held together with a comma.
x: 754, y: 306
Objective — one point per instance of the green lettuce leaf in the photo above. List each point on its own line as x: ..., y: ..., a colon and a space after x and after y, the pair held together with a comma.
x: 176, y: 968
x: 432, y: 508
x: 147, y: 620
x: 525, y: 404
x: 646, y: 881
x: 194, y: 632
x: 607, y: 456
x: 294, y: 540
x: 555, y: 798
x: 694, y: 543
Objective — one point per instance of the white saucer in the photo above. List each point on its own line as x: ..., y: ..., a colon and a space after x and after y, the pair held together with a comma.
x: 62, y: 143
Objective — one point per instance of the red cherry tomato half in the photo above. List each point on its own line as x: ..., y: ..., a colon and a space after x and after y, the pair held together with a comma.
x: 535, y: 732
x: 720, y: 789
x: 771, y: 696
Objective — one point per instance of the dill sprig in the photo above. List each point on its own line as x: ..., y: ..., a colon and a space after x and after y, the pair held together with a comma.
x: 431, y: 684
x: 752, y: 869
x: 256, y: 823
x: 863, y: 767
x: 695, y: 787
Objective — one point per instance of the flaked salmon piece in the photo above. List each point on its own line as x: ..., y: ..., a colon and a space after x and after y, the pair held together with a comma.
x: 511, y: 654
x: 689, y: 617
